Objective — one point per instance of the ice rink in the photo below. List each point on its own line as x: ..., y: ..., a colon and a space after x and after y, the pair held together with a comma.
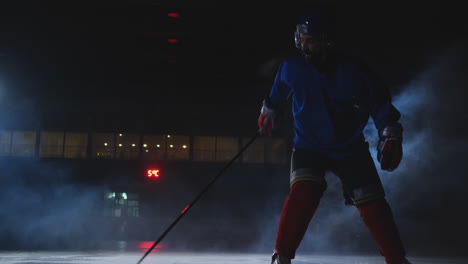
x: 113, y: 257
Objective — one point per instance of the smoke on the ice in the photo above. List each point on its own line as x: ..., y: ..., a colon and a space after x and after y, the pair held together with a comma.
x: 429, y: 179
x: 40, y: 207
x: 43, y: 210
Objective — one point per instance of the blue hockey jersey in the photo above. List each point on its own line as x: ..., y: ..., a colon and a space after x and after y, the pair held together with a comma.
x: 331, y: 107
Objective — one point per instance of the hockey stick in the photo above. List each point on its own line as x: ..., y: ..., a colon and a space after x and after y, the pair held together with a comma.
x: 185, y: 210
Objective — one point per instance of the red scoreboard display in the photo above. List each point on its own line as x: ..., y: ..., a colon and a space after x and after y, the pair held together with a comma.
x: 152, y: 173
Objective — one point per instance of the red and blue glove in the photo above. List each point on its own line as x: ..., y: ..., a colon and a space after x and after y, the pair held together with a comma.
x: 266, y: 119
x: 389, y: 149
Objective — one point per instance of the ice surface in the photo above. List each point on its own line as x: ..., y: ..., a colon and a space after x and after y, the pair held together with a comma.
x: 53, y: 257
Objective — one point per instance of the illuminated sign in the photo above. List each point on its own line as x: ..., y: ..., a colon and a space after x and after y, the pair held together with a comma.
x: 152, y: 173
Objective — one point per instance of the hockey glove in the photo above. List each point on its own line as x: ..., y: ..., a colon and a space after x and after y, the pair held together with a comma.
x: 389, y: 149
x: 266, y: 119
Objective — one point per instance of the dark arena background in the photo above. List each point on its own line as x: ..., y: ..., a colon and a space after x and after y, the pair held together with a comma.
x: 115, y: 115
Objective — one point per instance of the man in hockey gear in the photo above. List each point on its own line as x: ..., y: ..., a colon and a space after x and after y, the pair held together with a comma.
x: 333, y: 98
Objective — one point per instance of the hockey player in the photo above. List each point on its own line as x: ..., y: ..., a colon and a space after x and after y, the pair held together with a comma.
x: 332, y: 100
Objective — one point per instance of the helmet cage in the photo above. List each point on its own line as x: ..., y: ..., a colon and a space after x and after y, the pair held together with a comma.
x: 300, y: 29
x: 324, y: 37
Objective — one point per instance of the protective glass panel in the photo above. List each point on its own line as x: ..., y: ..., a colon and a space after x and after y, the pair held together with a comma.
x: 276, y: 151
x: 204, y: 148
x: 24, y: 143
x: 226, y: 148
x: 128, y: 146
x: 154, y: 147
x: 103, y: 145
x: 255, y: 153
x: 5, y: 142
x: 51, y: 144
x: 76, y: 145
x: 177, y: 147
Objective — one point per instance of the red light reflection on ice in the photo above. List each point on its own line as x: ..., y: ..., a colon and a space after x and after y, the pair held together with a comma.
x: 145, y: 245
x: 174, y: 15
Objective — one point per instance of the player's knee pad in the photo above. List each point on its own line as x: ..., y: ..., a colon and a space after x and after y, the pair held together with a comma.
x: 366, y: 194
x: 308, y: 174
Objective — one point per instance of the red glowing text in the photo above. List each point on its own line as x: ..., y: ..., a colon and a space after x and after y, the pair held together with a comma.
x: 152, y: 173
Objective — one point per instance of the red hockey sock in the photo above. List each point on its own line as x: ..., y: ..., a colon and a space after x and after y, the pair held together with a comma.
x: 378, y: 217
x: 298, y: 209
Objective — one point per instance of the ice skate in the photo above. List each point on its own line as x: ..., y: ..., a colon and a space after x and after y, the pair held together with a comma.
x: 278, y: 259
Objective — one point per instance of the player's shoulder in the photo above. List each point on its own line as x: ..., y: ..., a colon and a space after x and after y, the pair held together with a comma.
x: 350, y: 61
x: 293, y: 61
x: 353, y: 63
x: 360, y: 67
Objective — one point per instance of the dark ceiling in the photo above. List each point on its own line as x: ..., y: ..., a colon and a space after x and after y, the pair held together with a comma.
x: 81, y: 59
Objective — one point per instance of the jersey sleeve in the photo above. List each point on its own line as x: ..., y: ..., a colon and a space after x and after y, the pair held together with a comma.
x: 383, y: 112
x: 280, y: 90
